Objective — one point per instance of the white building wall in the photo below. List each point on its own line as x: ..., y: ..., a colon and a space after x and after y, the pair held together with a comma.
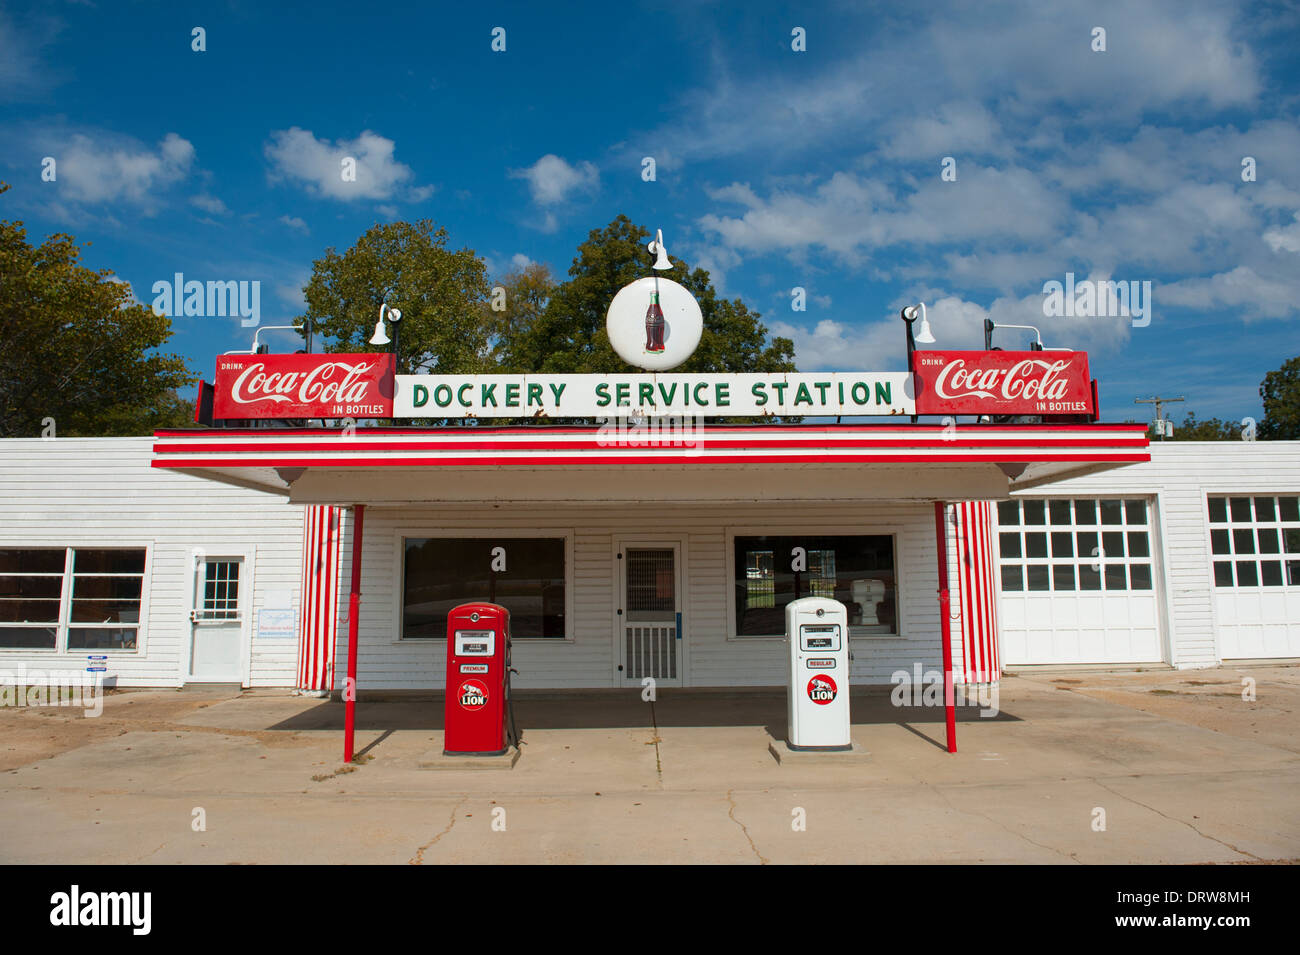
x: 102, y: 492
x: 1179, y: 478
x: 590, y: 658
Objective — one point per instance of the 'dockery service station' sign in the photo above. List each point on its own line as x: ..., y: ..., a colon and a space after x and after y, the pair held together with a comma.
x: 360, y: 386
x: 589, y: 396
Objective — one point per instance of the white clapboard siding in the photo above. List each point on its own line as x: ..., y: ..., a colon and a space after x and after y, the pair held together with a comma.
x: 1178, y: 478
x: 102, y: 492
x: 589, y: 659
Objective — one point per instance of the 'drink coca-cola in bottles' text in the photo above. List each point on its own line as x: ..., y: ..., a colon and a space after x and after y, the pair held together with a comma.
x: 303, y: 386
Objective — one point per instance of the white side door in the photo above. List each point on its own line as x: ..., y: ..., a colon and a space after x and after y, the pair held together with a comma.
x: 219, y: 619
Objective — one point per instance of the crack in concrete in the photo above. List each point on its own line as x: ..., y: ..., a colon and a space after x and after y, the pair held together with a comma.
x: 654, y: 723
x: 418, y: 858
x: 1203, y: 835
x: 731, y: 814
x: 1005, y: 828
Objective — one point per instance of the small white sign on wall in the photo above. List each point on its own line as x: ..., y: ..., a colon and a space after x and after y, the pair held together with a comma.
x: 277, y: 624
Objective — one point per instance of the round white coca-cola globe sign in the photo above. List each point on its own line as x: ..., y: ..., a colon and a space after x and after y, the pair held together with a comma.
x: 654, y: 324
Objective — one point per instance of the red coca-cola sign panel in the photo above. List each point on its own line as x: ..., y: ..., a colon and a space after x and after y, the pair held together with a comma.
x: 1002, y: 382
x: 303, y: 386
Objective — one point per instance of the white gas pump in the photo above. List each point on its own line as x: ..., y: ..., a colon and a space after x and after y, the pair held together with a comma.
x: 817, y: 630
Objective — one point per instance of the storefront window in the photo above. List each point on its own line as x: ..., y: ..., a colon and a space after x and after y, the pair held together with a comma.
x: 525, y: 575
x: 772, y: 571
x: 98, y: 592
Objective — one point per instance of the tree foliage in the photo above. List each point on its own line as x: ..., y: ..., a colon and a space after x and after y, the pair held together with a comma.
x: 1211, y: 429
x: 441, y: 294
x: 525, y: 295
x: 1280, y: 391
x: 76, y: 348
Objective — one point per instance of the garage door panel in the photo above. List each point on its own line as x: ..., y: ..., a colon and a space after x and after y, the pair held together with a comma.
x: 1073, y: 623
x: 1255, y: 543
x: 1115, y: 611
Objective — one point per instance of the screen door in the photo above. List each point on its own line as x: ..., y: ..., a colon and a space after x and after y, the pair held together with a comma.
x: 650, y: 617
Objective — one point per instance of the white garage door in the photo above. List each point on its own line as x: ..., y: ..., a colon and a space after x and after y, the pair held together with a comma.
x: 1078, y: 581
x: 1256, y: 546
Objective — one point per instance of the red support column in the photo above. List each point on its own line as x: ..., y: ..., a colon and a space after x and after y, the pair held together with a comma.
x: 354, y: 607
x: 949, y: 702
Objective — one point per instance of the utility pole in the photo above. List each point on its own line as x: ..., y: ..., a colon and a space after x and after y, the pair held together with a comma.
x: 1160, y: 418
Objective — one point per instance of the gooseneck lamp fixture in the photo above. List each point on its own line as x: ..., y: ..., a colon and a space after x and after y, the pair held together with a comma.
x: 1035, y: 345
x: 924, y: 336
x: 381, y: 338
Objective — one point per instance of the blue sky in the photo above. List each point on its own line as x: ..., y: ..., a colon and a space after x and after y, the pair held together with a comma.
x: 775, y: 168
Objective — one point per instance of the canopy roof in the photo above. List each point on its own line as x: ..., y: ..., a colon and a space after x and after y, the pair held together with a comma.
x: 716, y: 462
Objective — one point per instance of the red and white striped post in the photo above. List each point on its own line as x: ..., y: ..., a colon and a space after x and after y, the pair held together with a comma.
x: 945, y: 638
x: 354, y: 607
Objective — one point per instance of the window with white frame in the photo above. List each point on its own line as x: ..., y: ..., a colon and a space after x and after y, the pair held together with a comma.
x: 70, y: 598
x: 524, y: 575
x: 858, y: 571
x: 1255, y: 540
x: 1074, y: 544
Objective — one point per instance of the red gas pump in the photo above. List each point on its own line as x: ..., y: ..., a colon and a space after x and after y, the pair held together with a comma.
x: 478, y: 681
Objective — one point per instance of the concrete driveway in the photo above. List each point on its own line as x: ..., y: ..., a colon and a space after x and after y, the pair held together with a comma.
x: 1077, y: 767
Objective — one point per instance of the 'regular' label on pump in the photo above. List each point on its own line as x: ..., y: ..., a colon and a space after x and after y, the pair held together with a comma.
x: 822, y: 689
x: 473, y: 695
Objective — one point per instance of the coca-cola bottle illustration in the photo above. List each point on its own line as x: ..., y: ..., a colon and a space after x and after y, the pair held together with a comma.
x: 654, y: 325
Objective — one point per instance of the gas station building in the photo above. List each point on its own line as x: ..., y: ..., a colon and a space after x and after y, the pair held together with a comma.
x: 298, y: 557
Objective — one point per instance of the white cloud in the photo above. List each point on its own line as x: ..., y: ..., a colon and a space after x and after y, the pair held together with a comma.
x: 954, y: 129
x: 210, y: 204
x: 1286, y: 238
x: 552, y: 180
x: 519, y: 261
x: 107, y: 168
x: 829, y: 344
x: 297, y: 155
x: 294, y: 222
x: 849, y: 215
x: 1242, y: 288
x: 22, y: 72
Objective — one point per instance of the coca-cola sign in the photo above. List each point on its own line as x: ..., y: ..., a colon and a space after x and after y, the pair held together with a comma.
x: 1002, y: 382
x: 303, y: 386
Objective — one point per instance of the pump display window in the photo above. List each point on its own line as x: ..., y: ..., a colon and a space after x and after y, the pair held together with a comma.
x: 441, y: 573
x: 856, y: 571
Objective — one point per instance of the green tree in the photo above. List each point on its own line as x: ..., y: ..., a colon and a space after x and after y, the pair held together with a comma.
x: 569, y: 335
x: 441, y: 294
x: 525, y: 292
x: 1281, y: 393
x: 76, y: 348
x: 1211, y: 429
